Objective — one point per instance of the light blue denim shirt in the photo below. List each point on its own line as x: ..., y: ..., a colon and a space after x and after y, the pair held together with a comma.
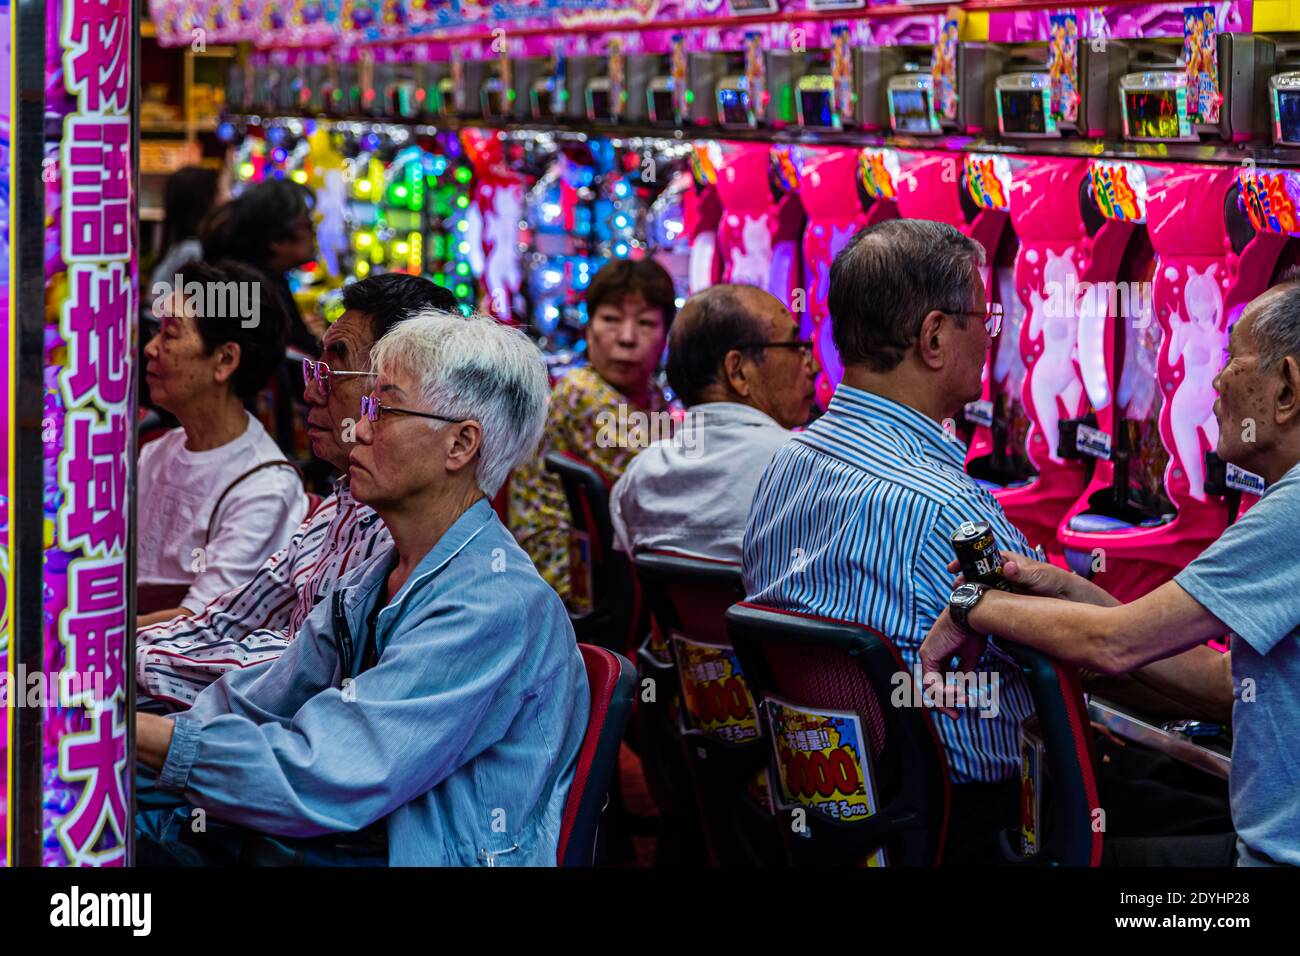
x: 465, y: 734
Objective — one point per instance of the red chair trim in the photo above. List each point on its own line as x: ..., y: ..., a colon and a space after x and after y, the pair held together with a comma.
x: 1072, y: 692
x: 601, y: 693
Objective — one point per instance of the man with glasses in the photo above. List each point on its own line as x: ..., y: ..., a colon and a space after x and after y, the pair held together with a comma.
x: 853, y: 517
x: 254, y: 622
x: 736, y: 360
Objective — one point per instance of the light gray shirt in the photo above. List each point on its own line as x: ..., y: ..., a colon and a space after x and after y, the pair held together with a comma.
x: 692, y: 492
x: 1250, y: 580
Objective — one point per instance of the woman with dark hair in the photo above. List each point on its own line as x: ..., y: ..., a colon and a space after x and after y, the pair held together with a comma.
x: 217, y: 495
x: 270, y: 228
x: 630, y: 306
x: 191, y: 193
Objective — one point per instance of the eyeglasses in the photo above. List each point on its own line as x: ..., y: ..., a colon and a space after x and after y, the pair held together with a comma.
x: 323, y: 375
x: 804, y: 347
x: 372, y: 408
x: 991, y: 316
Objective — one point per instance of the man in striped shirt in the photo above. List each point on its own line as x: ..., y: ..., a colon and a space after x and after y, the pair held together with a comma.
x: 853, y: 517
x: 253, y: 623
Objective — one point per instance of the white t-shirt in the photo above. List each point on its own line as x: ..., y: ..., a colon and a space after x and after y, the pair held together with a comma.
x: 178, y: 489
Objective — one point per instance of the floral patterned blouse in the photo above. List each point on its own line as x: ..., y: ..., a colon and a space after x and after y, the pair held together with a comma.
x: 585, y: 420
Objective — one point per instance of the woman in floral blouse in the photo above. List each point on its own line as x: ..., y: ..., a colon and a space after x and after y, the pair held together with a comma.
x: 630, y: 306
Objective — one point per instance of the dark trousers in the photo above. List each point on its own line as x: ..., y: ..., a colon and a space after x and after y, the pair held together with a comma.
x: 168, y: 832
x: 1161, y: 812
x: 978, y: 813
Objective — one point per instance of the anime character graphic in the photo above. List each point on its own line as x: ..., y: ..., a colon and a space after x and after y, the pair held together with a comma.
x: 1054, y: 384
x: 943, y: 71
x: 1200, y: 38
x: 617, y: 78
x: 1063, y: 68
x: 842, y: 74
x: 1198, y: 343
x: 756, y: 76
x: 677, y: 73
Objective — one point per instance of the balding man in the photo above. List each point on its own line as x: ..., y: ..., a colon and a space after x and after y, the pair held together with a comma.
x: 736, y: 360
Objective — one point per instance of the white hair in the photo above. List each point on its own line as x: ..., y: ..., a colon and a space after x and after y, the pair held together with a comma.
x: 475, y: 368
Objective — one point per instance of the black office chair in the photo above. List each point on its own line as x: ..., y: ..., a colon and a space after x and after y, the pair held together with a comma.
x: 715, y: 724
x: 602, y: 579
x: 827, y: 665
x: 612, y: 616
x: 1067, y: 805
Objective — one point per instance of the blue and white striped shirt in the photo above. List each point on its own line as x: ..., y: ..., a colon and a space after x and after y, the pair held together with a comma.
x: 852, y: 520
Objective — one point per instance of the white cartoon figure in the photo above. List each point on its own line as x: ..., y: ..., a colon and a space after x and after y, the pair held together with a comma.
x: 751, y: 260
x: 331, y: 234
x: 1199, y: 342
x: 1092, y: 309
x: 503, y: 208
x: 703, y: 248
x: 1053, y: 381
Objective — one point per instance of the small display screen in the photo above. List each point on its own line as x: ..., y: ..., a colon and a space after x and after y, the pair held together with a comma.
x: 733, y: 104
x: 1288, y: 116
x: 661, y: 106
x: 494, y: 102
x: 598, y: 105
x: 543, y: 103
x: 1022, y: 111
x: 816, y: 106
x: 1156, y: 114
x: 911, y: 110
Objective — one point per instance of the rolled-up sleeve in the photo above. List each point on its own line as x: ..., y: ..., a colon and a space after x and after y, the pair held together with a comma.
x: 351, y: 755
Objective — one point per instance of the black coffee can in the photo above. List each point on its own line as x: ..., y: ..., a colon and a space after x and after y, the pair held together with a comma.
x: 977, y: 553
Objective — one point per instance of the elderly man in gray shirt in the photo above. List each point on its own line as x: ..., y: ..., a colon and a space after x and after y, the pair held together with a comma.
x: 736, y: 360
x: 1246, y: 583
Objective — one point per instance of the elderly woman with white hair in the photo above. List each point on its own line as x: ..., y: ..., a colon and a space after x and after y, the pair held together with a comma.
x: 438, y: 691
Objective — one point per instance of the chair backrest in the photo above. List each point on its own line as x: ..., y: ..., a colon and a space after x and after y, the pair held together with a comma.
x: 710, y: 715
x: 688, y: 596
x: 613, y: 683
x: 821, y: 665
x: 1070, y: 836
x: 615, y: 611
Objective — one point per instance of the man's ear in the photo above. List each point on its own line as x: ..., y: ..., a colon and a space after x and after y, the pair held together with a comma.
x: 1288, y: 398
x: 463, y: 444
x: 929, y: 344
x: 733, y: 372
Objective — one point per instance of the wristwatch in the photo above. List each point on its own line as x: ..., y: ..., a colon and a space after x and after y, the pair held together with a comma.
x: 963, y: 600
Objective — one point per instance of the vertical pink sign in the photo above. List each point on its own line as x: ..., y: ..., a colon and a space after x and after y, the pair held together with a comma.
x: 88, y: 434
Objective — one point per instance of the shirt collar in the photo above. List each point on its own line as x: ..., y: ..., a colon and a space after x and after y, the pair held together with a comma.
x: 863, y: 410
x: 731, y: 413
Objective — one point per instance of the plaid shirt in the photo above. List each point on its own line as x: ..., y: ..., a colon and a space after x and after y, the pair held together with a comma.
x: 254, y: 623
